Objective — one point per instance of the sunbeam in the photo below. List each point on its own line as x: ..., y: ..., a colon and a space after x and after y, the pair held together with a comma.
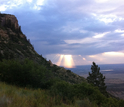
x: 60, y: 60
x: 66, y: 61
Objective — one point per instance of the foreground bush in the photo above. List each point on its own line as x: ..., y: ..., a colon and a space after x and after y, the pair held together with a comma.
x: 69, y: 93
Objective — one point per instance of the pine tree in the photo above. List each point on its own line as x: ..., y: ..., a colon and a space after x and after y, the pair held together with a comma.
x: 97, y: 78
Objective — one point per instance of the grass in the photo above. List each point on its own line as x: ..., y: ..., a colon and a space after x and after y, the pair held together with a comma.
x: 12, y: 96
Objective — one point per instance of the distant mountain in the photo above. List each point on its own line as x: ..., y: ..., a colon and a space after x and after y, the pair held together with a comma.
x: 14, y: 45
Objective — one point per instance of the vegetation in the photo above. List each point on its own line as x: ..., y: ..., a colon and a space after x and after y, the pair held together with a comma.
x: 29, y: 73
x: 24, y: 73
x: 12, y: 96
x: 96, y: 78
x: 35, y: 78
x: 33, y: 82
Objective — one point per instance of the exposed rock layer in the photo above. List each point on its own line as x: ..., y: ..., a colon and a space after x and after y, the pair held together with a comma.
x: 12, y: 18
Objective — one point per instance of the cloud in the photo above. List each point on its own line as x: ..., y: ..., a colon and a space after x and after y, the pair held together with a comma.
x: 108, y: 57
x: 29, y: 4
x: 75, y: 27
x: 3, y: 7
x: 100, y: 35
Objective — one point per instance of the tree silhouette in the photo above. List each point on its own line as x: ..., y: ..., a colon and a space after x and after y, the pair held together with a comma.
x: 97, y: 78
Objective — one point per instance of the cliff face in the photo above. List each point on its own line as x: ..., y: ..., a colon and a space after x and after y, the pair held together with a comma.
x: 7, y: 19
x: 13, y: 43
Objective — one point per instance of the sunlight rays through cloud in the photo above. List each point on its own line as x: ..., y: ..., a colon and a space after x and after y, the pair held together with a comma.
x: 60, y: 60
x: 66, y: 61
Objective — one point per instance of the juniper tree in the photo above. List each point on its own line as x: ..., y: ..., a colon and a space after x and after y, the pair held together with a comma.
x: 97, y: 78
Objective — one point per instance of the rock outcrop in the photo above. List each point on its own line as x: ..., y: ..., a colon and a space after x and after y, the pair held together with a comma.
x: 51, y: 64
x: 9, y: 19
x: 13, y: 43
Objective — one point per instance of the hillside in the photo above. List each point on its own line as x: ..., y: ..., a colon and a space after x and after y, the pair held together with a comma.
x: 34, y: 81
x: 14, y: 45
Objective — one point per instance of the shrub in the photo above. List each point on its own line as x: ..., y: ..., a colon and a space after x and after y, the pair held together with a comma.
x: 64, y: 90
x: 24, y: 73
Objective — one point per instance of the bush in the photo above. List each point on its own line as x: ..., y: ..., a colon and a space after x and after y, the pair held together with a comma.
x: 69, y: 92
x: 24, y: 73
x: 64, y: 90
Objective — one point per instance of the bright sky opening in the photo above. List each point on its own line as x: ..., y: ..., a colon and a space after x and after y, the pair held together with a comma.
x: 66, y: 61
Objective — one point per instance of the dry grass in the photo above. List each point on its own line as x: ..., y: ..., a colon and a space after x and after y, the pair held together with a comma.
x: 11, y: 96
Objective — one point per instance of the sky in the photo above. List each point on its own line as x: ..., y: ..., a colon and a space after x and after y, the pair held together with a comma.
x: 72, y: 32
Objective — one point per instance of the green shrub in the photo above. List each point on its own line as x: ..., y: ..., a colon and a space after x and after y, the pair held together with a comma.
x: 24, y: 73
x: 64, y: 90
x: 69, y: 92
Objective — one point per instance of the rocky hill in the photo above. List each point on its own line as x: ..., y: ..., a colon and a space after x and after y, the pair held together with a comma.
x: 6, y: 18
x: 15, y: 45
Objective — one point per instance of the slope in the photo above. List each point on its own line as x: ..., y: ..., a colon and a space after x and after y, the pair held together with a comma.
x: 14, y: 45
